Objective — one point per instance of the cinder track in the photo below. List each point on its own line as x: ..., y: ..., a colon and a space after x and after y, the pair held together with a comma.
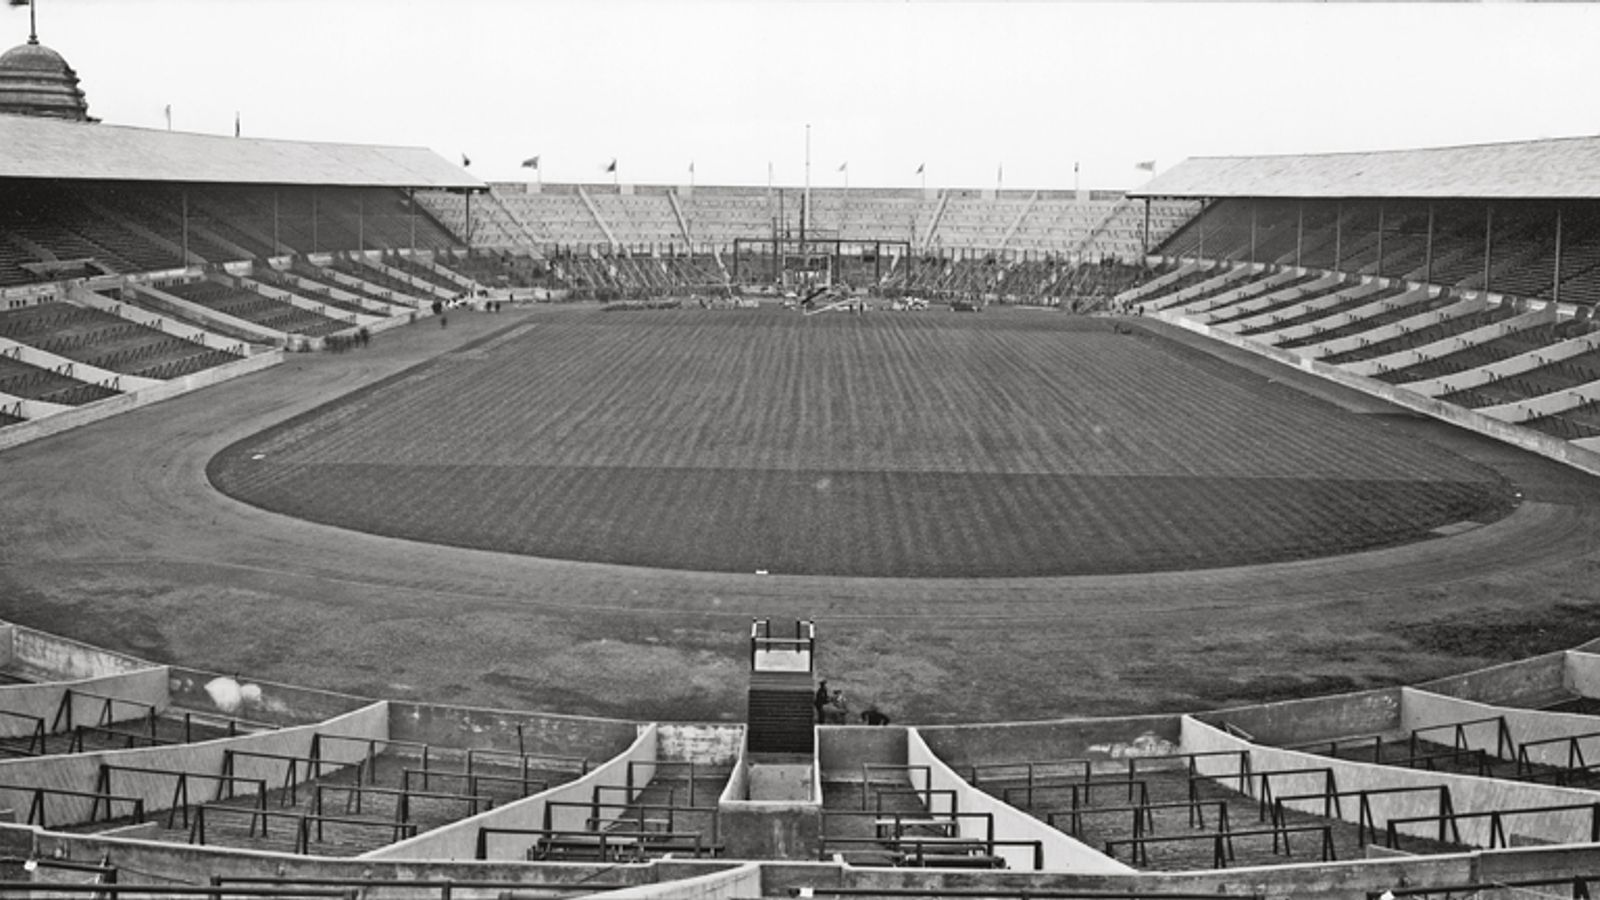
x: 111, y: 534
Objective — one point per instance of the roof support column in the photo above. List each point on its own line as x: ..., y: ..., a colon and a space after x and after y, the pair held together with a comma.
x: 1299, y: 233
x: 1555, y: 278
x: 277, y: 246
x: 1377, y: 267
x: 1338, y: 233
x: 186, y: 226
x: 411, y: 216
x: 468, y: 225
x: 313, y: 220
x: 1488, y: 241
x: 361, y: 223
x: 1253, y: 204
x: 1200, y: 250
x: 1144, y: 239
x: 1427, y: 264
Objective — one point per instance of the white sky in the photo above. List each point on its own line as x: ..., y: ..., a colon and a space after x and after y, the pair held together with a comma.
x: 965, y: 88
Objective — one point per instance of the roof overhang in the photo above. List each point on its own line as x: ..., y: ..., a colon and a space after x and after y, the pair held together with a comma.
x: 1559, y: 168
x: 84, y: 151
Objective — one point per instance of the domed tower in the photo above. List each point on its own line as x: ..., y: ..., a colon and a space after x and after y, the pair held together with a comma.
x: 36, y: 81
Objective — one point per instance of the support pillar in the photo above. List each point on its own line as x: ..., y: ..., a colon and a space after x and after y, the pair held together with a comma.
x: 1427, y: 266
x: 1555, y: 278
x: 1488, y: 242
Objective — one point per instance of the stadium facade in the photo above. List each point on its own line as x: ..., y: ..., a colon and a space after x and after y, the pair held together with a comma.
x: 135, y: 261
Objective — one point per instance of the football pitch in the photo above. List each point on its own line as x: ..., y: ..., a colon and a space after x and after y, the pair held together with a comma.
x: 899, y: 445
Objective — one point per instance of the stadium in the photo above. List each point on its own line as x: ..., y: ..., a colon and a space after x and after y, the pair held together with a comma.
x: 371, y: 529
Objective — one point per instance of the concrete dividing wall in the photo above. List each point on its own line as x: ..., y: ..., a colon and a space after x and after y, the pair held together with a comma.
x: 1515, y: 435
x: 195, y: 865
x: 79, y: 772
x: 40, y: 656
x: 33, y: 429
x: 755, y: 826
x: 7, y: 635
x: 841, y: 750
x: 459, y: 840
x: 742, y: 881
x: 514, y: 731
x: 961, y: 746
x: 1424, y: 708
x: 1533, y: 682
x: 1467, y: 793
x: 135, y: 693
x: 1010, y: 824
x: 712, y: 745
x: 258, y: 701
x: 1315, y: 719
x: 1583, y: 673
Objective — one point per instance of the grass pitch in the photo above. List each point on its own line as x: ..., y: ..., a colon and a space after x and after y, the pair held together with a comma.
x: 1012, y: 443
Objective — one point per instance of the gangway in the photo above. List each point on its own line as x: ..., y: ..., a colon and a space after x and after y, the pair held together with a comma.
x: 780, y: 712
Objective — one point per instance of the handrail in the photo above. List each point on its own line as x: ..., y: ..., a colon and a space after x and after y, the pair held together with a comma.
x: 1496, y: 817
x: 445, y: 887
x: 1022, y: 893
x: 159, y: 891
x: 36, y: 804
x: 1222, y: 842
x: 1366, y: 823
x: 1579, y: 883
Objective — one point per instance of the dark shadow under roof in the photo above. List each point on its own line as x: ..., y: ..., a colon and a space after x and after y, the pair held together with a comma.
x: 52, y: 148
x: 1559, y: 168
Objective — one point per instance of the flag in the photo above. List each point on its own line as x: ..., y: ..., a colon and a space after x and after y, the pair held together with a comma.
x: 844, y: 165
x: 919, y: 167
x: 1074, y: 168
x: 236, y: 123
x: 1148, y: 165
x: 531, y: 162
x: 612, y: 166
x: 691, y: 167
x: 19, y: 2
x: 169, y: 116
x: 465, y: 161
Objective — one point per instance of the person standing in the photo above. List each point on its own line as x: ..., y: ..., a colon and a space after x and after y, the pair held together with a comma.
x: 820, y: 701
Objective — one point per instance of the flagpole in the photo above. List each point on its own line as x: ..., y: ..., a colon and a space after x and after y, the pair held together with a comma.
x: 805, y: 207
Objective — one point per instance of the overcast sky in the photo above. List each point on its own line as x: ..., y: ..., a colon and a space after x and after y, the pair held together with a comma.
x: 975, y: 91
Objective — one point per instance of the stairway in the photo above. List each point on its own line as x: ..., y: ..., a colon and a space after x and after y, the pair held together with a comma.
x: 781, y: 715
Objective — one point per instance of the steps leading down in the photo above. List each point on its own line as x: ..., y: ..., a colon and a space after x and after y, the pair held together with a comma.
x: 781, y: 714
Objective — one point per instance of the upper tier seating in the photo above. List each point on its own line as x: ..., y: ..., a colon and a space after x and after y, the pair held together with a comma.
x: 106, y: 341
x: 250, y: 306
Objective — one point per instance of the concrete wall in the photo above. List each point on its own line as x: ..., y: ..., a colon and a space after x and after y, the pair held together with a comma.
x: 78, y: 772
x: 1515, y: 435
x: 1467, y: 793
x: 742, y: 881
x: 195, y: 865
x: 1533, y: 682
x: 135, y: 692
x: 1423, y: 708
x: 712, y: 745
x: 1111, y: 739
x: 1583, y: 673
x: 841, y: 750
x: 7, y: 635
x: 46, y: 657
x: 1011, y: 824
x: 752, y: 826
x: 257, y: 701
x: 459, y: 840
x: 497, y: 729
x: 33, y: 429
x: 1315, y: 719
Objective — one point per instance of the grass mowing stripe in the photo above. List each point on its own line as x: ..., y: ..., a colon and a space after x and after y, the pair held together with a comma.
x: 936, y: 445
